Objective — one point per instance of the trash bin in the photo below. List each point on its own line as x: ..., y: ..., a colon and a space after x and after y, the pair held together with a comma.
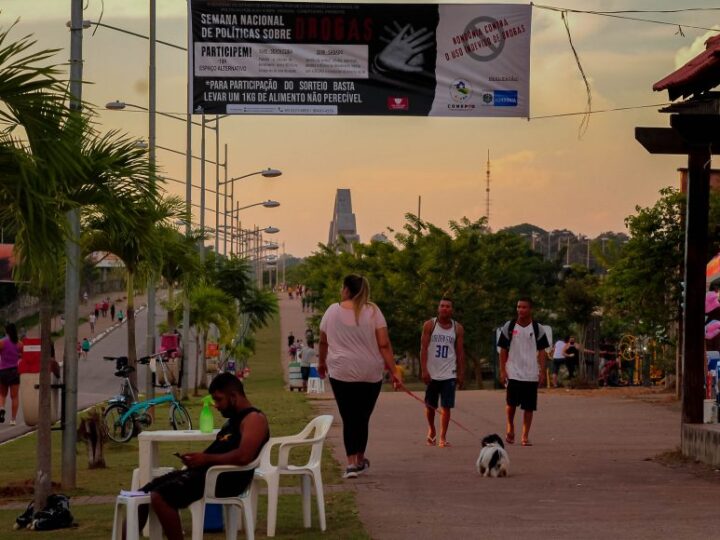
x: 294, y: 376
x: 29, y: 369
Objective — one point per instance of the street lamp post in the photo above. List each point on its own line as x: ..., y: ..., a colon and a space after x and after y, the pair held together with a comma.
x: 265, y: 173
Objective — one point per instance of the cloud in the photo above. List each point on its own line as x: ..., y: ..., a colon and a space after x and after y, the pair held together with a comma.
x: 684, y: 54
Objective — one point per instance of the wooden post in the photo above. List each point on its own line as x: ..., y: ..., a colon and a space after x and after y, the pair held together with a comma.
x: 696, y: 220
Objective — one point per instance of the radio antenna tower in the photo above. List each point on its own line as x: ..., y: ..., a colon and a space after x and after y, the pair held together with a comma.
x: 487, y: 191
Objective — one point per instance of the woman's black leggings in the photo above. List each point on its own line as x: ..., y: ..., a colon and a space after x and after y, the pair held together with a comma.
x: 356, y: 401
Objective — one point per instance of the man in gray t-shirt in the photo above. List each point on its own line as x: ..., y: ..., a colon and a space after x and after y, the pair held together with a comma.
x: 307, y: 357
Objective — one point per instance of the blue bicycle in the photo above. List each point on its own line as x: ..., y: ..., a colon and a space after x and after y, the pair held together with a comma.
x: 125, y: 416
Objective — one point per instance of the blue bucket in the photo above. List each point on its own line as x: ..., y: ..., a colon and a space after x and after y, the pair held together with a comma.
x: 213, y: 518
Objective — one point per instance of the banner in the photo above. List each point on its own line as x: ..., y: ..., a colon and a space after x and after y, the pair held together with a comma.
x: 360, y: 59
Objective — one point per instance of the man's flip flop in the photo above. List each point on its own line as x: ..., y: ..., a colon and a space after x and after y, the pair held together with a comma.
x: 527, y: 443
x: 430, y: 441
x: 444, y: 444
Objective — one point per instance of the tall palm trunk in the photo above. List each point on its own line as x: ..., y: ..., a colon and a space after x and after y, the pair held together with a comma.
x: 203, y: 362
x: 171, y: 307
x: 132, y: 351
x: 199, y: 346
x: 44, y: 440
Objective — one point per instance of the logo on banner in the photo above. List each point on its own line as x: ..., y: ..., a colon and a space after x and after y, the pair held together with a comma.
x: 486, y: 97
x: 482, y: 27
x: 505, y: 98
x: 460, y: 90
x: 395, y: 103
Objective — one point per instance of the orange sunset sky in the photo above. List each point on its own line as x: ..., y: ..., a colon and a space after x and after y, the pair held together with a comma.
x: 542, y: 172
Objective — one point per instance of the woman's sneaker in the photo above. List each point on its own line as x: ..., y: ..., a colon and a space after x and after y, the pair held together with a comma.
x: 351, y: 472
x: 364, y: 466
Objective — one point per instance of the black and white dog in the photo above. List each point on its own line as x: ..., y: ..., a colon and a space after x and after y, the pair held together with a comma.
x: 493, y: 459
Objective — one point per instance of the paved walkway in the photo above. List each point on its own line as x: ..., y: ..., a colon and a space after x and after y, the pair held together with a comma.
x: 592, y: 473
x: 292, y: 319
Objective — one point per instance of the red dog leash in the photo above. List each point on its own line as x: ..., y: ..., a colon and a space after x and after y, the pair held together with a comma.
x: 405, y: 389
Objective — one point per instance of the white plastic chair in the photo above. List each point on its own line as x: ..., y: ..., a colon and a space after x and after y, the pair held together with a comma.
x: 132, y: 505
x: 312, y: 435
x: 245, y: 501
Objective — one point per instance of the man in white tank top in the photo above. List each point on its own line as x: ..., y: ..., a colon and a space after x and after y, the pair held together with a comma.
x: 443, y: 367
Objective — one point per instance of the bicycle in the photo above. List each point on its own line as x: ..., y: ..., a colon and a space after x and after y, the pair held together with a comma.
x: 125, y: 415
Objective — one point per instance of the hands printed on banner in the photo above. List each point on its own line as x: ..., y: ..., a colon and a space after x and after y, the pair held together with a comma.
x: 404, y: 48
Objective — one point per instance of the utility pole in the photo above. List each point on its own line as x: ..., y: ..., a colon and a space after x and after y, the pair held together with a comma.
x: 217, y: 184
x: 487, y: 190
x: 225, y: 196
x: 152, y: 94
x: 72, y: 271
x: 188, y: 229
x: 202, y: 189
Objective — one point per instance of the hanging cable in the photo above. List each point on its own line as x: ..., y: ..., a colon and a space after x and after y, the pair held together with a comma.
x: 588, y: 107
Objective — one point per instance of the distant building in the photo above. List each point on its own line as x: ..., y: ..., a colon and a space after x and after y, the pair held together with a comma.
x: 380, y: 237
x: 343, y: 229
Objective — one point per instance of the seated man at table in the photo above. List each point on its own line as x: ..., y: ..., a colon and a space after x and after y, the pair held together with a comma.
x: 239, y: 442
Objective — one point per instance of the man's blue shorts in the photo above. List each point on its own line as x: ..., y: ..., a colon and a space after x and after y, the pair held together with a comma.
x: 445, y: 390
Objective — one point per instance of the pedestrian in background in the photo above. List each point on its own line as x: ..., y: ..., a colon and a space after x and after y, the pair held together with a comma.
x: 442, y: 358
x: 307, y: 357
x: 558, y: 359
x: 112, y: 311
x: 91, y: 321
x: 522, y: 345
x: 572, y: 357
x: 10, y: 351
x: 85, y: 348
x: 354, y: 351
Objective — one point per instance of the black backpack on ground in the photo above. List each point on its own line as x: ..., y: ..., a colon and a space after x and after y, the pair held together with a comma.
x: 55, y: 515
x: 24, y: 519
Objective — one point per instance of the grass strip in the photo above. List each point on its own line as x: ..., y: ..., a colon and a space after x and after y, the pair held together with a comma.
x: 287, y: 412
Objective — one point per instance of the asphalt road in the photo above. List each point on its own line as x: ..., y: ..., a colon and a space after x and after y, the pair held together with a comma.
x: 96, y: 380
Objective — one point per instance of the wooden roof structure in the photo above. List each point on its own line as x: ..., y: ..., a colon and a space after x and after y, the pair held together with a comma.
x: 697, y: 76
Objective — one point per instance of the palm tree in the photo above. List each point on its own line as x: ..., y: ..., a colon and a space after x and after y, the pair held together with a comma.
x: 180, y: 263
x: 209, y: 305
x: 60, y: 165
x: 136, y: 242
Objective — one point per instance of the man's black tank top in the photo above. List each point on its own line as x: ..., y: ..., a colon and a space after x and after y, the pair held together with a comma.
x: 229, y: 438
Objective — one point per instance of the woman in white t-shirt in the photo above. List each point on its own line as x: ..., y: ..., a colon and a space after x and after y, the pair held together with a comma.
x: 354, y: 351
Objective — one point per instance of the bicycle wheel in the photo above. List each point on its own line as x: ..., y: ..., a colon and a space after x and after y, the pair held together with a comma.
x: 179, y: 417
x: 117, y: 431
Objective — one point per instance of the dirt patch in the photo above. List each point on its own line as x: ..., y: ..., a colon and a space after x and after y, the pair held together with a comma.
x: 674, y: 459
x: 22, y: 489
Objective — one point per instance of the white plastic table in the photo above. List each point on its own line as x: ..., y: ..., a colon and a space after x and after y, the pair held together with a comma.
x: 149, y: 443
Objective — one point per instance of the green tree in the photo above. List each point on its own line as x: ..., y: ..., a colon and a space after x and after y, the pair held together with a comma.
x: 136, y: 242
x: 210, y: 306
x: 180, y: 264
x: 60, y: 164
x: 483, y: 272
